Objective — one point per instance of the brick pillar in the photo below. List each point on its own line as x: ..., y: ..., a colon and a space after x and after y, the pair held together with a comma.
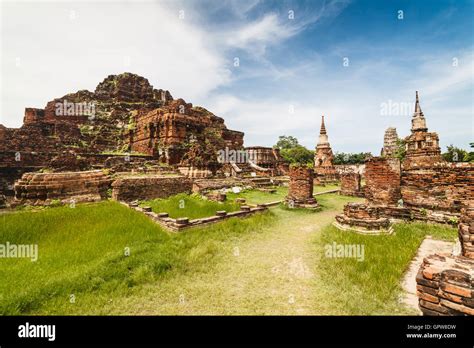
x: 301, y: 184
x: 300, y: 193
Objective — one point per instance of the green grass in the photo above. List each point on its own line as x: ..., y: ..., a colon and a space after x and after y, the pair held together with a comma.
x: 329, y: 187
x: 82, y: 253
x: 372, y: 286
x: 190, y: 206
x: 259, y: 197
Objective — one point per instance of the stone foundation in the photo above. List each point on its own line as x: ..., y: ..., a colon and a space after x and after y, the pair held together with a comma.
x: 300, y: 192
x: 41, y: 188
x: 149, y: 187
x: 363, y: 218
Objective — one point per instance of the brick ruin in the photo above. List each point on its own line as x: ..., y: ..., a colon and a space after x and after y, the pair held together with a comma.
x: 421, y: 187
x: 123, y: 115
x: 126, y: 125
x: 323, y: 157
x: 445, y: 283
x: 257, y: 161
x: 44, y: 188
x: 382, y: 177
x: 132, y: 188
x: 300, y: 193
x: 351, y: 184
x: 390, y: 142
x: 267, y: 158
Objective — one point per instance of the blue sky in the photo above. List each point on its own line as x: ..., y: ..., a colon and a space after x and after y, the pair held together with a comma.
x: 290, y: 71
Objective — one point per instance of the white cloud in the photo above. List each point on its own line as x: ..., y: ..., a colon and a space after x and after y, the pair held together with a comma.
x: 63, y: 47
x: 255, y: 36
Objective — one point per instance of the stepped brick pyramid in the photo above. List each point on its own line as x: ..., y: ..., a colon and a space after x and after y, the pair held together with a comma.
x: 123, y: 114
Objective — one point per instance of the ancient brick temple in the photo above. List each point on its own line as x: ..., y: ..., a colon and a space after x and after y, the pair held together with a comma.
x: 124, y: 114
x: 445, y: 283
x: 421, y: 187
x: 178, y: 133
x: 300, y: 193
x: 267, y: 158
x: 422, y: 147
x: 390, y: 142
x: 323, y: 156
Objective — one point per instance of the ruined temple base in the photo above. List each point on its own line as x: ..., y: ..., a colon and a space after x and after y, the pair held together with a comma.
x: 310, y: 203
x: 364, y: 219
x: 66, y: 187
x: 445, y: 285
x: 373, y: 227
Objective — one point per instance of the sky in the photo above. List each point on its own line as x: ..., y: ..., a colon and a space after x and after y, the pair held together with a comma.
x: 269, y: 68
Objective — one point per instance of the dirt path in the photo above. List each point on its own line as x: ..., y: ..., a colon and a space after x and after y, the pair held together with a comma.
x: 271, y: 272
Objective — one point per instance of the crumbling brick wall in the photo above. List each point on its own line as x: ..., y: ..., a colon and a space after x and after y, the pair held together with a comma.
x: 149, y: 187
x: 440, y: 187
x: 466, y: 230
x: 38, y: 188
x: 382, y: 177
x: 350, y: 184
x: 445, y: 283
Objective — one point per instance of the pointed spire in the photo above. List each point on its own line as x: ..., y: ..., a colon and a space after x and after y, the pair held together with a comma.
x: 417, y: 107
x: 418, y: 122
x: 323, y: 127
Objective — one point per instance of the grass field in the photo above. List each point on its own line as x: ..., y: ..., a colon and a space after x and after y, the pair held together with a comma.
x: 259, y: 197
x: 191, y: 206
x: 270, y: 263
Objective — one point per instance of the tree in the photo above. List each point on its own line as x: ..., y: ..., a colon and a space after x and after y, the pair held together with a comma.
x: 293, y: 152
x: 298, y: 155
x: 401, y: 149
x: 351, y: 158
x: 455, y: 154
x: 286, y: 142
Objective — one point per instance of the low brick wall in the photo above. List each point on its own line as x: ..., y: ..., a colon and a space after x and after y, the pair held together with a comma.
x: 441, y: 187
x: 149, y: 187
x: 182, y: 223
x: 39, y: 188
